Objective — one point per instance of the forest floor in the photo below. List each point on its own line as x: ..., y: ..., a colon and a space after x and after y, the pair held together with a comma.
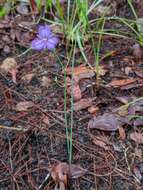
x: 107, y: 134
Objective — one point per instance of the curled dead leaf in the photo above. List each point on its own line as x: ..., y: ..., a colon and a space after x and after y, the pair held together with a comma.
x: 62, y: 171
x: 23, y: 106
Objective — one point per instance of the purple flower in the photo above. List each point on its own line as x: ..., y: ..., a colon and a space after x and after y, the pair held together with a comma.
x: 45, y: 39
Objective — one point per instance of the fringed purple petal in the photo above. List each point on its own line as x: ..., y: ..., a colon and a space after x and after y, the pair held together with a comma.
x: 44, y: 31
x: 38, y: 44
x: 51, y: 43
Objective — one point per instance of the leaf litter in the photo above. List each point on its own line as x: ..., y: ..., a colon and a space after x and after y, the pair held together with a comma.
x: 105, y: 122
x: 90, y: 104
x: 9, y: 65
x: 62, y: 172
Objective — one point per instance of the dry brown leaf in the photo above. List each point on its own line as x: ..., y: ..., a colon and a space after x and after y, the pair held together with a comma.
x: 122, y: 133
x: 13, y: 73
x: 9, y: 65
x: 99, y: 142
x: 122, y: 82
x: 93, y: 110
x: 28, y: 77
x: 130, y: 86
x: 45, y: 81
x: 137, y: 137
x: 80, y: 72
x: 76, y: 92
x: 83, y: 104
x: 106, y: 122
x: 62, y: 171
x: 23, y: 106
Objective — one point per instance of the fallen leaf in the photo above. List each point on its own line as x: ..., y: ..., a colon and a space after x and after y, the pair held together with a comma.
x: 82, y: 104
x: 106, y: 122
x: 13, y: 73
x: 28, y: 77
x: 62, y: 171
x: 23, y: 106
x: 130, y: 86
x: 76, y: 92
x: 45, y: 81
x: 122, y: 133
x: 80, y: 72
x: 8, y: 64
x: 122, y: 82
x: 137, y: 137
x: 93, y: 110
x: 101, y: 142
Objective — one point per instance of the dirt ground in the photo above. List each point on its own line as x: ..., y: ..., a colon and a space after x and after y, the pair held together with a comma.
x: 33, y: 140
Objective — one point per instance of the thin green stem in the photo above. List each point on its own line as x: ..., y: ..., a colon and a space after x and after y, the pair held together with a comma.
x: 72, y: 105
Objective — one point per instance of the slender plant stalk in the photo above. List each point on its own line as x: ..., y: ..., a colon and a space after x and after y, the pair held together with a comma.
x: 72, y: 105
x: 132, y: 8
